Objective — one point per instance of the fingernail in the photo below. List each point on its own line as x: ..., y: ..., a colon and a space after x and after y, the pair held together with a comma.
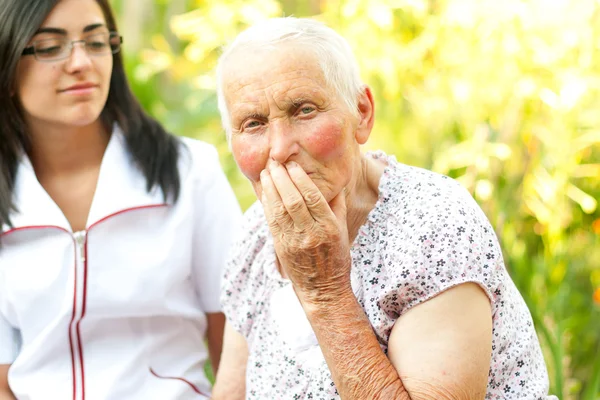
x: 274, y: 164
x: 291, y: 164
x: 264, y: 173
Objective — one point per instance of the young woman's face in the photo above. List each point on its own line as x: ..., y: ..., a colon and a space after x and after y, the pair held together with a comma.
x: 71, y: 91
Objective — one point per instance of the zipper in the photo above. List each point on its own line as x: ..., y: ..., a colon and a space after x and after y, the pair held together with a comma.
x: 79, y: 294
x: 78, y: 311
x: 80, y: 240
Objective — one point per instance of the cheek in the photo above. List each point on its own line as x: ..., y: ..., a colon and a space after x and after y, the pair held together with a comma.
x: 327, y: 142
x: 250, y: 156
x: 34, y: 87
x: 105, y: 71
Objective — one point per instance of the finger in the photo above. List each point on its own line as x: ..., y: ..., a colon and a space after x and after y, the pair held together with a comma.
x: 338, y: 206
x: 312, y: 196
x: 275, y: 212
x: 291, y: 198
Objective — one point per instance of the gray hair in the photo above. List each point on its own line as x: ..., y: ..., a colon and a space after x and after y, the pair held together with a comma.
x: 336, y: 59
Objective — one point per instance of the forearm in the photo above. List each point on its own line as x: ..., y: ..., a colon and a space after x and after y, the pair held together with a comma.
x: 230, y: 381
x: 214, y: 335
x: 358, y: 366
x: 228, y: 391
x: 6, y: 394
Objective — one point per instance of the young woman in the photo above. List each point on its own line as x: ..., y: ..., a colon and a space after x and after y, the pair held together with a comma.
x: 113, y: 232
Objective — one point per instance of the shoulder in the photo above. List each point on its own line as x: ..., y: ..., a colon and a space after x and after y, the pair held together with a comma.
x: 425, y: 199
x: 198, y: 154
x: 403, y: 184
x: 197, y: 147
x: 431, y: 235
x: 426, y: 207
x: 205, y: 187
x: 200, y: 166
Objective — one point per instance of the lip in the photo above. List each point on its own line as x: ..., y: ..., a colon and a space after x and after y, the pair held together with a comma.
x: 80, y: 88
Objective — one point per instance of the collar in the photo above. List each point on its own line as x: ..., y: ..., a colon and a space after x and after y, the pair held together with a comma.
x: 121, y: 186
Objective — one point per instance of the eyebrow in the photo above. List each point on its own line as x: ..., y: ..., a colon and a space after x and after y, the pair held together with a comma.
x: 242, y: 116
x: 61, y: 31
x: 318, y: 99
x: 297, y: 101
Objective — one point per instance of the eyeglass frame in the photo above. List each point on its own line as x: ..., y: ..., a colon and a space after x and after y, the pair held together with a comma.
x: 30, y: 51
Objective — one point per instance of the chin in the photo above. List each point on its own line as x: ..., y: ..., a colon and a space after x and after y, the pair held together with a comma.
x: 83, y: 123
x: 83, y: 118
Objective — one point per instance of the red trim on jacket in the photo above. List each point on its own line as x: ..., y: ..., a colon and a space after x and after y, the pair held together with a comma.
x: 75, y: 320
x: 32, y: 227
x: 73, y: 373
x: 83, y: 304
x: 85, y: 274
x: 194, y: 388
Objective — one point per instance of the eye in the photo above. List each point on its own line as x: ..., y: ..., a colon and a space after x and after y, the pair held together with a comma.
x: 97, y: 43
x: 251, y: 124
x: 305, y: 110
x: 49, y: 51
x: 49, y: 48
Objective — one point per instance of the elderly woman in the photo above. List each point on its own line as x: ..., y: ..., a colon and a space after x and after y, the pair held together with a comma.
x: 356, y: 277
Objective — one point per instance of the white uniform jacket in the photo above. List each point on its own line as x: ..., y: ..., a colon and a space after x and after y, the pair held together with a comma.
x: 116, y: 311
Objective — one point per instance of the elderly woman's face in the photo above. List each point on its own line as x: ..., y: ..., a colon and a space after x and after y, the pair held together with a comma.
x: 281, y: 109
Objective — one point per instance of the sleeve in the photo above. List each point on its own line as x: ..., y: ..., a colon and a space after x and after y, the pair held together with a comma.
x: 10, y: 342
x: 217, y: 217
x: 452, y: 243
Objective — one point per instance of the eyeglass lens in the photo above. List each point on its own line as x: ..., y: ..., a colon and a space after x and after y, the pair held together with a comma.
x: 53, y: 49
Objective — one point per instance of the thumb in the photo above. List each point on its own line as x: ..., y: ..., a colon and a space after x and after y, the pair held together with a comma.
x: 338, y: 206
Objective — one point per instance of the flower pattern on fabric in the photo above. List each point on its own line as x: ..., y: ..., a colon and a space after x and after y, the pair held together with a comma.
x: 425, y: 235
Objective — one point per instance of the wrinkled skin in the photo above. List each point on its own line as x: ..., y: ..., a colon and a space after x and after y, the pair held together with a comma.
x: 310, y: 235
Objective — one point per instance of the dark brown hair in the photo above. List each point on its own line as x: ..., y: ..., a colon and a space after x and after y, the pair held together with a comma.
x: 154, y: 151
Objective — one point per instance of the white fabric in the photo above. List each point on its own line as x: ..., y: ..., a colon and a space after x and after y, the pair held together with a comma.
x: 103, y: 316
x: 9, y: 342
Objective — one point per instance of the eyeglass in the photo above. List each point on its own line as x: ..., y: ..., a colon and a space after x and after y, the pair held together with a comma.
x: 61, y: 48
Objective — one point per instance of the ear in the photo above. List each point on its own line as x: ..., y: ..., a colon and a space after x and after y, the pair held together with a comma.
x: 366, y: 113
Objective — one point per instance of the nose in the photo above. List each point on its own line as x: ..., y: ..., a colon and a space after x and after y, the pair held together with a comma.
x: 79, y: 58
x: 283, y: 143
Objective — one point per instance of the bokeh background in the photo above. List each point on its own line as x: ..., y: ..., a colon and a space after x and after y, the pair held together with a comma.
x: 504, y: 96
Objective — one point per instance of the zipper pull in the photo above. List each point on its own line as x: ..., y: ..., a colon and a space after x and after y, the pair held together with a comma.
x: 80, y: 239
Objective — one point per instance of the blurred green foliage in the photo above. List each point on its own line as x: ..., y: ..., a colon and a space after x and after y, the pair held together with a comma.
x: 503, y: 96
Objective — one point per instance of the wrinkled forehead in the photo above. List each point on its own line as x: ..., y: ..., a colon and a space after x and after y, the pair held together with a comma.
x: 255, y: 68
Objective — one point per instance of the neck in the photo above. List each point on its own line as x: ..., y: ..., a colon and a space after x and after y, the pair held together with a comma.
x: 61, y: 150
x: 364, y: 194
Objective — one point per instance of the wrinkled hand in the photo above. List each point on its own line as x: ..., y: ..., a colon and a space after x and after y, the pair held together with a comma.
x: 310, y: 235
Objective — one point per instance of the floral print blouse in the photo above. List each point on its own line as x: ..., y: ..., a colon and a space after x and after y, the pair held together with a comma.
x: 425, y: 235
